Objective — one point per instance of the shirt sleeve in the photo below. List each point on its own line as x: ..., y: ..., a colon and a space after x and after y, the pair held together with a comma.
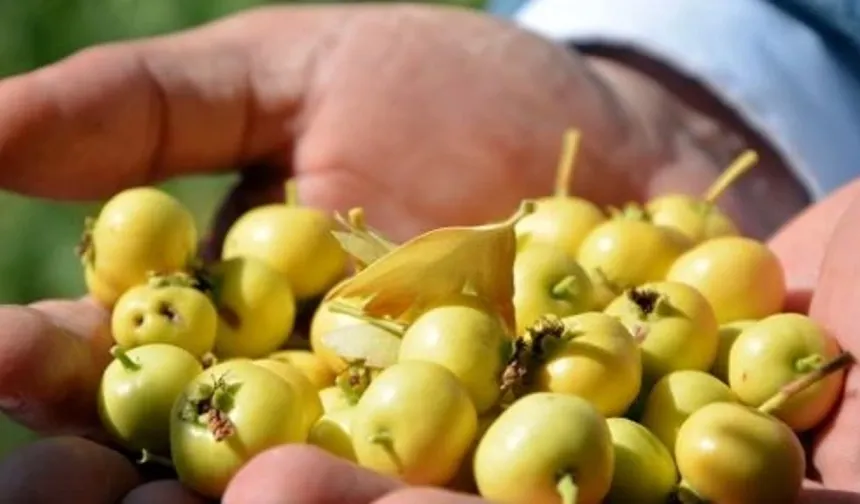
x: 775, y: 71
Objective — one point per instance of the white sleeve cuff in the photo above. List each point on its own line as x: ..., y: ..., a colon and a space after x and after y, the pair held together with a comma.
x: 772, y: 69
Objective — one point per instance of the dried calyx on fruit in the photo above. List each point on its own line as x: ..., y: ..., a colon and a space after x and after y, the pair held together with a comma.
x: 210, y: 404
x: 527, y: 352
x: 354, y: 380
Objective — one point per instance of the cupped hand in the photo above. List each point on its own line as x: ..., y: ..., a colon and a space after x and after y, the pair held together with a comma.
x: 424, y: 116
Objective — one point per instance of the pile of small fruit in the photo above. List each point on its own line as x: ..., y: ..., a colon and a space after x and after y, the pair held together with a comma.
x: 569, y: 354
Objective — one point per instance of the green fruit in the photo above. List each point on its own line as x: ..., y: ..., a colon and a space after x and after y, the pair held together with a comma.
x: 137, y: 391
x: 778, y: 350
x: 548, y: 281
x: 228, y: 414
x: 644, y: 469
x: 677, y: 396
x: 162, y: 312
x: 675, y: 323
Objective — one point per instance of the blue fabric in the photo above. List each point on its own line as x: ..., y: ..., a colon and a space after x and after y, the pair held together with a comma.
x: 838, y: 22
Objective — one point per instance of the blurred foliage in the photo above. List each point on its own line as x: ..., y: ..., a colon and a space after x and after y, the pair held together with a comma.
x: 37, y: 259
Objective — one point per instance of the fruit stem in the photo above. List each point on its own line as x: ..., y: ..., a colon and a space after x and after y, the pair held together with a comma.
x: 796, y: 386
x: 567, y: 489
x: 526, y: 207
x: 383, y: 439
x: 739, y: 166
x: 123, y: 358
x: 564, y: 170
x: 565, y: 288
x: 809, y: 363
x: 357, y: 218
x: 147, y: 457
x: 291, y: 192
x: 391, y: 326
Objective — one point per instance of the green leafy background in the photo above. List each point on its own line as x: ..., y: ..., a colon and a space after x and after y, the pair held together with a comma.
x: 38, y: 237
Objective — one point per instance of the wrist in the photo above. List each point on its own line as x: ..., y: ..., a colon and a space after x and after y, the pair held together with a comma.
x: 676, y: 114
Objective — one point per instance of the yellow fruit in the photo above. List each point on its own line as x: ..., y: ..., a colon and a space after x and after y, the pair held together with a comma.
x: 727, y: 333
x: 600, y: 362
x: 295, y: 241
x: 548, y: 281
x: 312, y: 408
x: 313, y: 367
x: 676, y: 324
x: 741, y: 278
x: 139, y: 231
x: 561, y: 222
x: 256, y: 306
x: 677, y: 396
x: 415, y: 422
x: 644, y: 471
x: 540, y: 440
x: 468, y: 339
x: 625, y: 252
x: 332, y: 433
x: 727, y: 452
x: 690, y: 216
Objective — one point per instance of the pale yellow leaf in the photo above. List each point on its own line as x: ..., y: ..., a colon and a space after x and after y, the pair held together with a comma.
x: 438, y: 265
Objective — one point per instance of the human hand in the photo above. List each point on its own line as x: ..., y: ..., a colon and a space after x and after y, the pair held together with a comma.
x: 365, y: 105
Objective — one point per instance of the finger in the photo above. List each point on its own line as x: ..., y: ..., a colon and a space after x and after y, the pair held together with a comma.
x: 51, y: 357
x: 429, y: 496
x: 136, y: 112
x: 802, y: 242
x: 75, y: 469
x: 837, y: 452
x: 303, y: 474
x: 163, y: 491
